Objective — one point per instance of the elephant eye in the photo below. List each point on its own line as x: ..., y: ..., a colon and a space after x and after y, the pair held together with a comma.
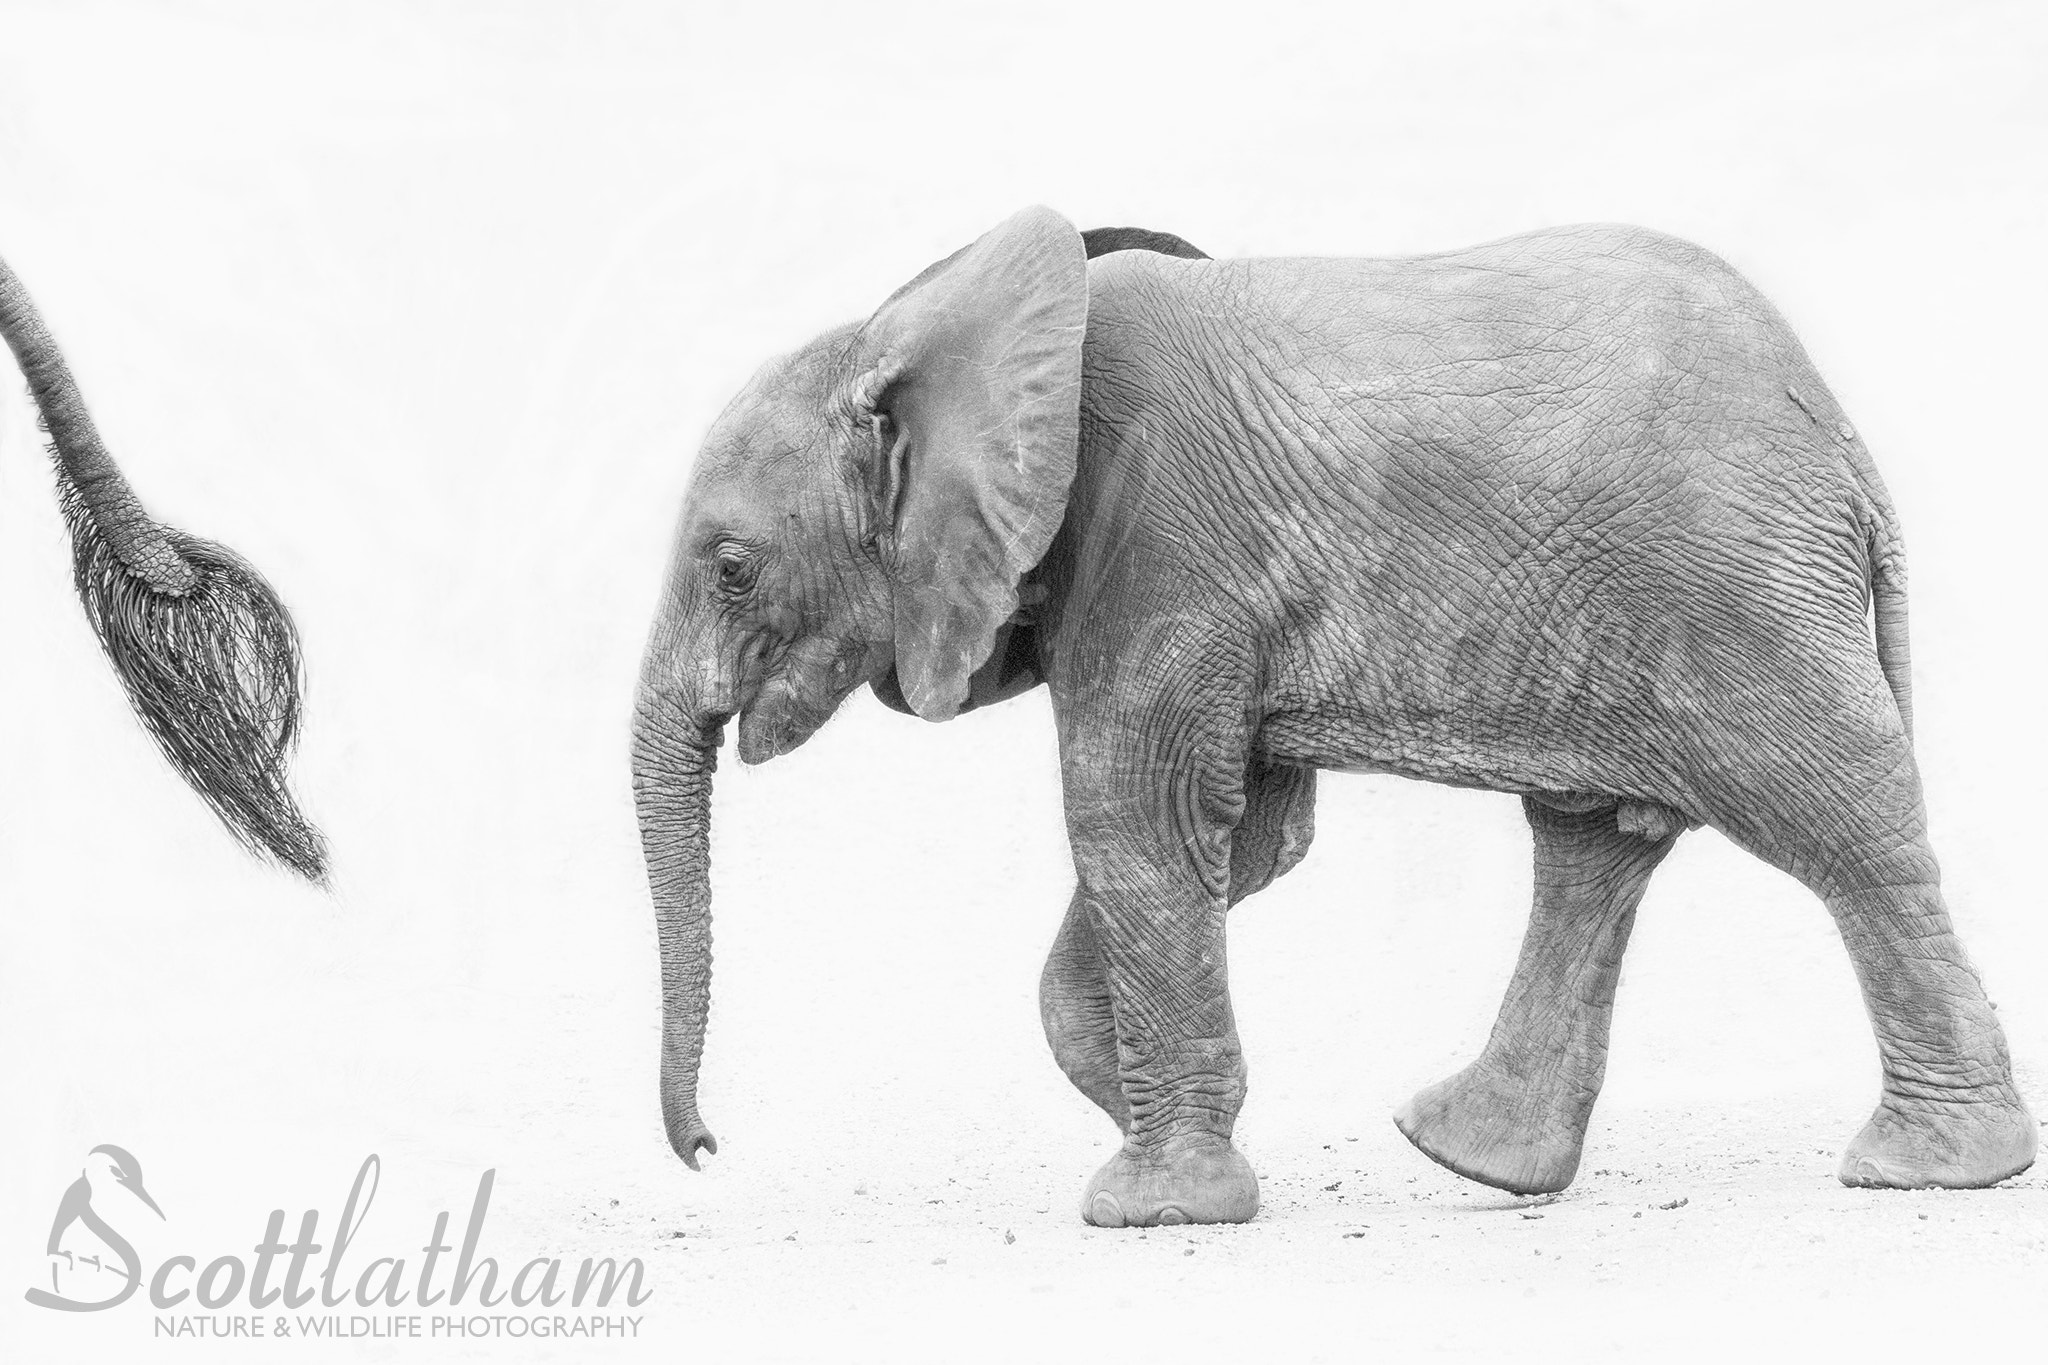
x: 734, y: 572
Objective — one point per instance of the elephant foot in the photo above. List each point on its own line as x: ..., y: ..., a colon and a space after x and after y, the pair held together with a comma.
x: 1494, y: 1132
x: 1918, y: 1144
x: 1206, y: 1181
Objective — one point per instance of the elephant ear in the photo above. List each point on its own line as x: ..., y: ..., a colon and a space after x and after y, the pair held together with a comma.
x: 971, y: 384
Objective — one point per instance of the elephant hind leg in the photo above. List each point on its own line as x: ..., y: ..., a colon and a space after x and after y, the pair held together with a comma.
x: 1845, y: 815
x: 1949, y: 1116
x: 1516, y: 1118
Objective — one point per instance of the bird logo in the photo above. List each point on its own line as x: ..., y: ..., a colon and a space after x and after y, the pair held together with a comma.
x: 107, y: 1168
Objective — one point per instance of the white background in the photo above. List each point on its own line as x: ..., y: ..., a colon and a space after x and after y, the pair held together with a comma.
x: 423, y: 307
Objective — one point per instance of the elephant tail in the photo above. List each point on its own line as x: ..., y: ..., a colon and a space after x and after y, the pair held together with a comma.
x: 207, y: 653
x: 1888, y: 599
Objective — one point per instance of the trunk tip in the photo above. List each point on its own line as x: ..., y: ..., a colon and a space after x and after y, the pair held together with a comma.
x: 689, y: 1138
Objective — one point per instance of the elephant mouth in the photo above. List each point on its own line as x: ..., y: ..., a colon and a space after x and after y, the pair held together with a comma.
x: 794, y: 700
x: 774, y: 723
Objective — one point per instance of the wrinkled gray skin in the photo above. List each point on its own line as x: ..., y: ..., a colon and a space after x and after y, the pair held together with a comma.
x: 1568, y: 515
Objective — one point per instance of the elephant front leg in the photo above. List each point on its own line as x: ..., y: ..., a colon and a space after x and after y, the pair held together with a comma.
x: 1073, y: 992
x: 1178, y: 1062
x: 1274, y: 831
x: 1155, y: 875
x: 1080, y: 1018
x: 1516, y: 1118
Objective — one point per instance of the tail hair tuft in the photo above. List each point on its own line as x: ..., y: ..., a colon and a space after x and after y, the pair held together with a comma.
x: 213, y: 671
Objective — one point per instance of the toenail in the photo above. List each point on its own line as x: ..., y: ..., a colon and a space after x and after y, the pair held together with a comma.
x: 1171, y: 1217
x: 1104, y: 1211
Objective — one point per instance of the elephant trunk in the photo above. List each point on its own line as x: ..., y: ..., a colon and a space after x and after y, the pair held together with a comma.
x: 674, y: 755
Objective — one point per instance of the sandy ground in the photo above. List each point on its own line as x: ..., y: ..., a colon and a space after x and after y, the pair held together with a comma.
x: 901, y: 1162
x: 423, y: 308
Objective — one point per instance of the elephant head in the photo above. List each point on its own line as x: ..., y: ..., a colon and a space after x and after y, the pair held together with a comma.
x: 863, y: 511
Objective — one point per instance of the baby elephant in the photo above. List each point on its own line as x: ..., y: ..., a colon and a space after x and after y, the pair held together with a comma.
x: 1568, y: 515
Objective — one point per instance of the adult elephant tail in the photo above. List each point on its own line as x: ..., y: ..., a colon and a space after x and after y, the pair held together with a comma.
x: 206, y: 651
